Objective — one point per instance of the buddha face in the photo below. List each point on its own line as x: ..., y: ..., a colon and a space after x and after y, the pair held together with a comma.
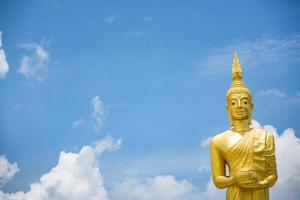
x: 239, y: 106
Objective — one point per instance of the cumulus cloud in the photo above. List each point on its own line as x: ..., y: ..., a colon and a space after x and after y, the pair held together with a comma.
x: 7, y: 170
x: 260, y: 53
x: 164, y: 187
x: 33, y: 66
x: 288, y: 148
x: 98, y: 113
x: 4, y: 67
x: 214, y: 193
x: 76, y: 176
x: 159, y: 187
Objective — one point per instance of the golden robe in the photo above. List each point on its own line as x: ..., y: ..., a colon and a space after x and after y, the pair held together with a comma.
x: 255, y: 150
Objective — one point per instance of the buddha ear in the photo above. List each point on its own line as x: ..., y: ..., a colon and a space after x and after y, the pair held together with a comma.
x: 250, y: 119
x: 227, y: 107
x: 251, y: 112
x: 229, y: 114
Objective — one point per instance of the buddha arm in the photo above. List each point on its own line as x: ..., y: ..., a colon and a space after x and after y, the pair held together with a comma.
x: 271, y: 178
x: 218, y: 167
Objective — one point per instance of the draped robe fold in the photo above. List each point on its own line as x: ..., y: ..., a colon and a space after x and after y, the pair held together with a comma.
x: 255, y: 150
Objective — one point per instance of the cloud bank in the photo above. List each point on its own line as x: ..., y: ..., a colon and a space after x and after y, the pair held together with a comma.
x: 159, y: 187
x: 75, y: 177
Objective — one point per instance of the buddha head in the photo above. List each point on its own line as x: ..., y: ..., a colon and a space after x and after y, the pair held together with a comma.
x: 239, y: 104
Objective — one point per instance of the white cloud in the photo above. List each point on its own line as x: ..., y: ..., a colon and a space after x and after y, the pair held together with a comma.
x: 76, y: 176
x: 204, y: 168
x: 110, y: 19
x: 33, y: 67
x: 98, y: 113
x: 7, y: 170
x: 276, y: 97
x: 260, y: 53
x: 205, y: 142
x: 255, y: 124
x: 4, y: 67
x: 164, y: 188
x: 108, y: 144
x: 214, y: 193
x: 1, y: 39
x: 288, y: 148
x: 159, y: 187
x: 271, y: 93
x: 77, y: 123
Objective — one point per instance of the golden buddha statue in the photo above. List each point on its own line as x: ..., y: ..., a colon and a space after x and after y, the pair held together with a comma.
x: 249, y: 153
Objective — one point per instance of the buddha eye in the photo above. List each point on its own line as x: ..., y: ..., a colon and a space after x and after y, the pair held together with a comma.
x: 232, y: 103
x: 245, y: 102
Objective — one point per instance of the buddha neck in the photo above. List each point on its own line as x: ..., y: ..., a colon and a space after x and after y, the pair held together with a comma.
x: 240, y: 126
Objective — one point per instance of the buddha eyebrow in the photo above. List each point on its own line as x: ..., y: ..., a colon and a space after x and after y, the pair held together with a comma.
x: 244, y: 98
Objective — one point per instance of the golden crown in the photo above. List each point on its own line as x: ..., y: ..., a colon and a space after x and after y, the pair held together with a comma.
x: 237, y: 85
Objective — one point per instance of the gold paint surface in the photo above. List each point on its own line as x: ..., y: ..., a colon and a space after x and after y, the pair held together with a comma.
x: 248, y: 152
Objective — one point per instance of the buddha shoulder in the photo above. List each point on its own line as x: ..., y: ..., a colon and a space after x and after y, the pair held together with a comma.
x: 268, y: 133
x: 220, y: 138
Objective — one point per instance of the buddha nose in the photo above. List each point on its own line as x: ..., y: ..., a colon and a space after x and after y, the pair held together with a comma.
x: 239, y: 102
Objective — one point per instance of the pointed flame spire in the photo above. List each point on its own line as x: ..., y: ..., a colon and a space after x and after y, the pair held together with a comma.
x: 237, y: 73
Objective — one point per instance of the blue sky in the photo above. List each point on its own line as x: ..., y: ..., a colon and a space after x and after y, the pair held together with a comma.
x: 158, y: 72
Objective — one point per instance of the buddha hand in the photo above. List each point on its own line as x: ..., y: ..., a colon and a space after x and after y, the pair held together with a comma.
x: 247, y: 178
